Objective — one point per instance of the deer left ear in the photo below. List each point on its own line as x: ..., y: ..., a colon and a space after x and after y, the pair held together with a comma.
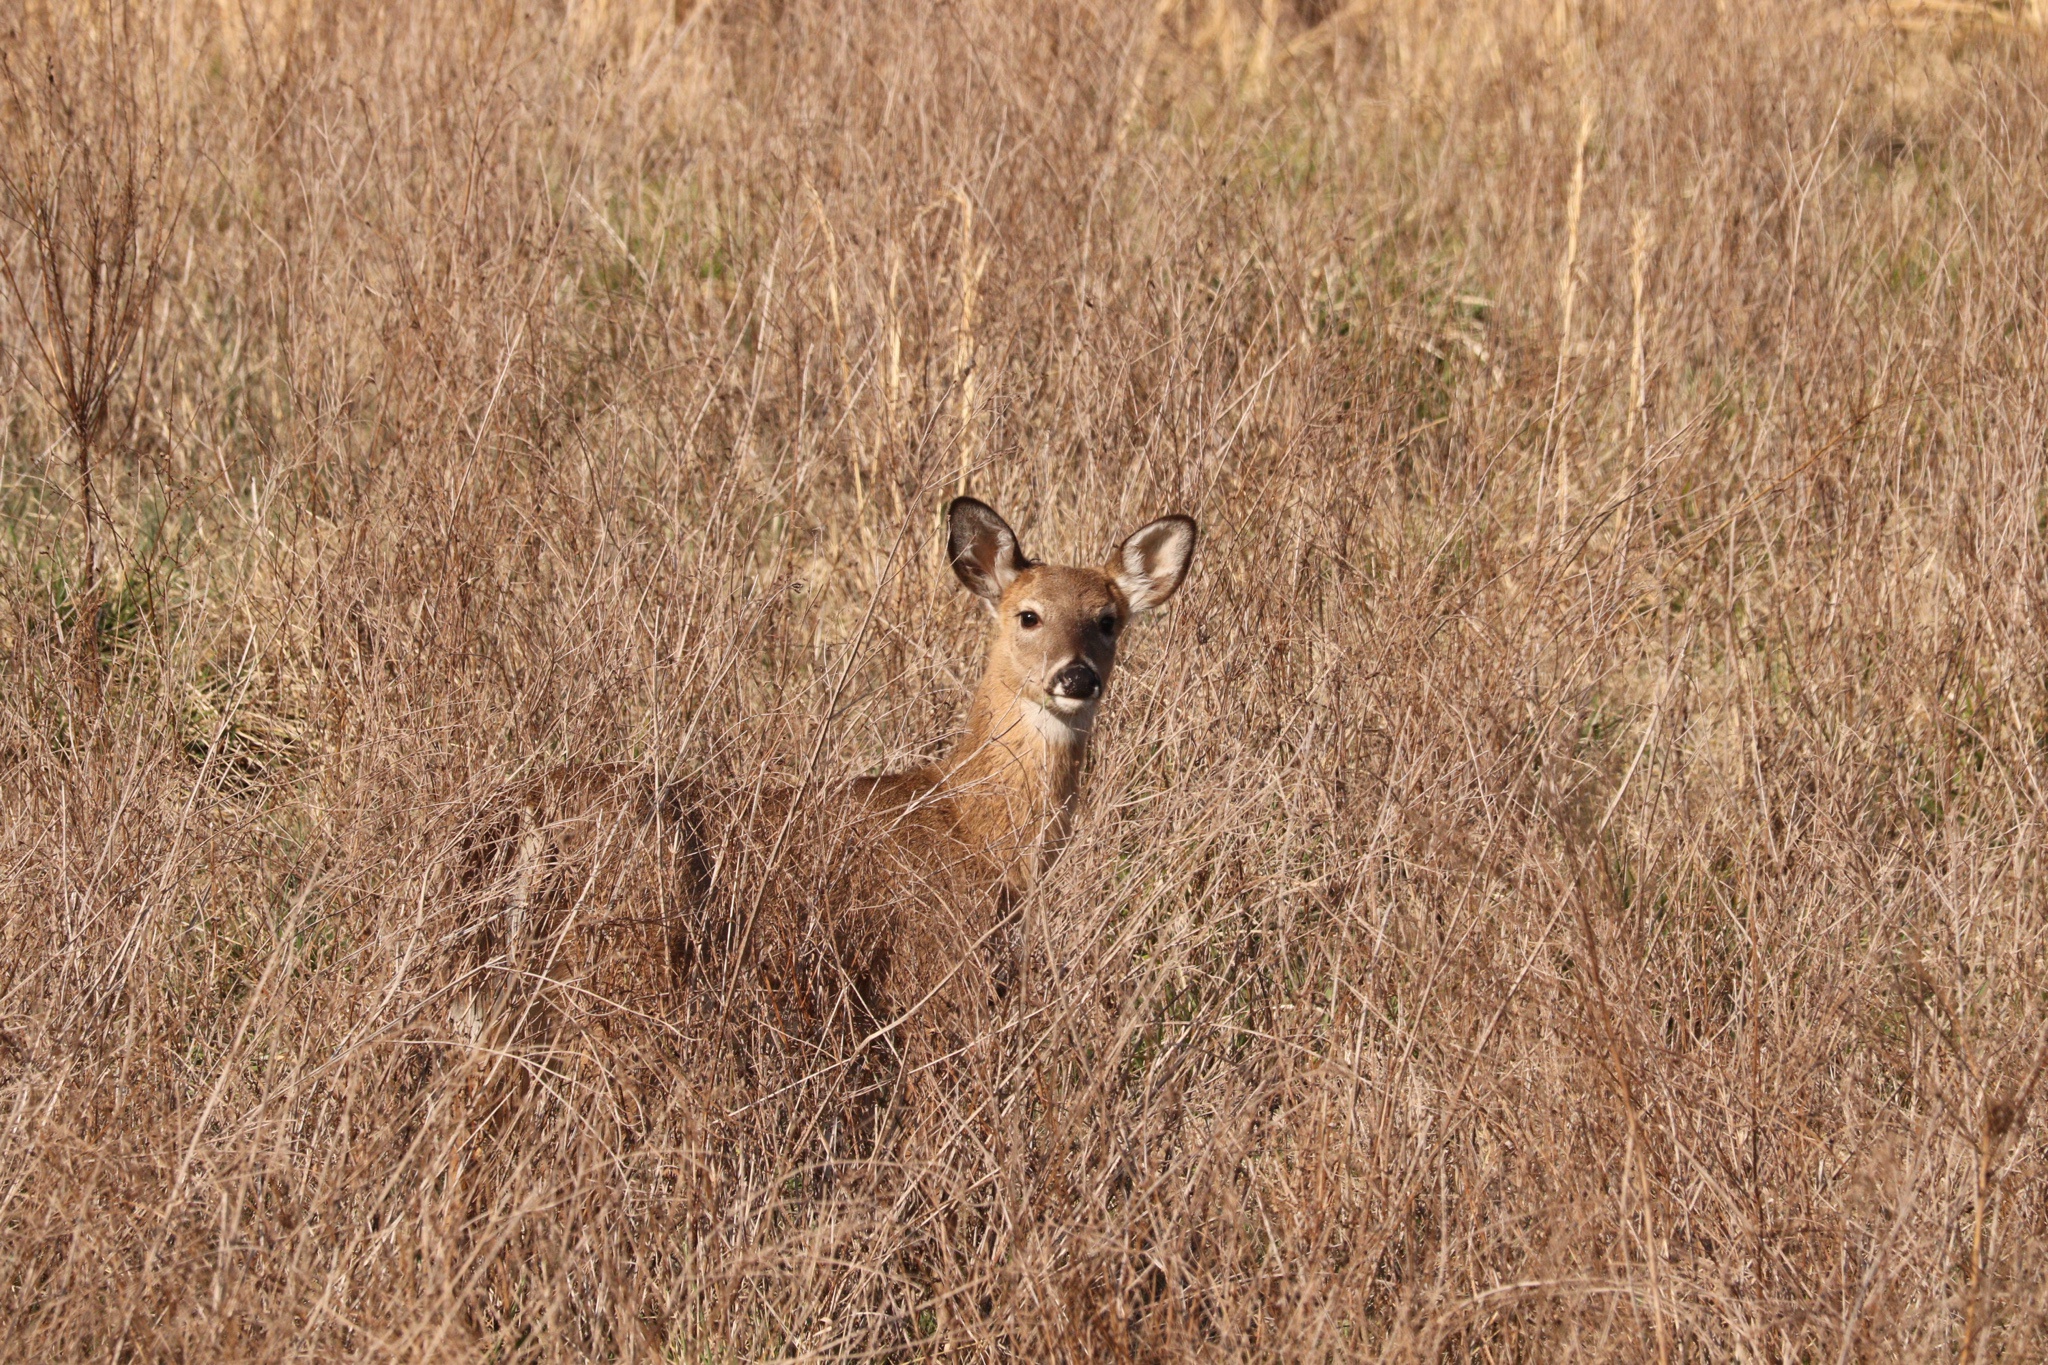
x: 1152, y: 561
x: 983, y: 549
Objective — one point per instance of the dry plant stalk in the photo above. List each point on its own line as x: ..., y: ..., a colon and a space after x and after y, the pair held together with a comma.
x: 2001, y: 1118
x: 1141, y: 68
x: 1568, y: 293
x: 972, y: 263
x: 1638, y: 255
x: 1258, y: 68
x: 1618, y: 1069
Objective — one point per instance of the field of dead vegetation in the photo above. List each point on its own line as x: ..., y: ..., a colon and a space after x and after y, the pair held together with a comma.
x: 1563, y: 882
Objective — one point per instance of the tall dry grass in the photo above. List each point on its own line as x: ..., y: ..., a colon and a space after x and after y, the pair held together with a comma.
x: 1563, y: 882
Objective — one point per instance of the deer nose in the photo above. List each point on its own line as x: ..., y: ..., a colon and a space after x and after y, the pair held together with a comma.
x: 1078, y: 681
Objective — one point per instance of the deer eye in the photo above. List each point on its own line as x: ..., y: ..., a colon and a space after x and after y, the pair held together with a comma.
x: 1107, y: 625
x: 1027, y: 619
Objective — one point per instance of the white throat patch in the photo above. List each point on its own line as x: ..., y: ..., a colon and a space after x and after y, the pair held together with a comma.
x: 1055, y: 727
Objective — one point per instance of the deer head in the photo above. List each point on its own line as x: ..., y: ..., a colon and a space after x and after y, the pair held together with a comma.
x: 1058, y: 625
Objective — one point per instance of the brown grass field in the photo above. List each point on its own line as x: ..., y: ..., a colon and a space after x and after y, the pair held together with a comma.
x: 1565, y: 880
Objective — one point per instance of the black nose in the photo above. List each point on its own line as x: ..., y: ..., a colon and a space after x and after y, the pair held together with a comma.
x: 1077, y: 681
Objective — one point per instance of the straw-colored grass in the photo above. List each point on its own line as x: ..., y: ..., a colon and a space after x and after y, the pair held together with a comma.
x: 1563, y: 882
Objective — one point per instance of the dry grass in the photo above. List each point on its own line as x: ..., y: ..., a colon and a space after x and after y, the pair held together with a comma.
x: 1564, y: 881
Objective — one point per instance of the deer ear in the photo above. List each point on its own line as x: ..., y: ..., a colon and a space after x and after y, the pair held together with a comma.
x: 983, y: 548
x: 1152, y: 561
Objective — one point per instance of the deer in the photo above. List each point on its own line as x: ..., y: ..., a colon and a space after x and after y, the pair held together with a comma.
x: 921, y: 866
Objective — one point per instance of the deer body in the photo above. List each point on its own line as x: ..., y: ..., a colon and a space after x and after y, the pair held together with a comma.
x: 919, y: 866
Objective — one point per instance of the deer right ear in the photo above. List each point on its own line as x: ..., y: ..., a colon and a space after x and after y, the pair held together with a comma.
x: 1152, y: 561
x: 983, y: 548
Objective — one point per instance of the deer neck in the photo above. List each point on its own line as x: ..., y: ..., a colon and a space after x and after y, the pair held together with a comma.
x: 1014, y: 774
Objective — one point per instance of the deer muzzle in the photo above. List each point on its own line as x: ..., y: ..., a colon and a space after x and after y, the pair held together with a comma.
x: 1077, y: 682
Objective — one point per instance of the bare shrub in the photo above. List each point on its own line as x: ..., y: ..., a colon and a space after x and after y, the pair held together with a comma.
x: 83, y: 180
